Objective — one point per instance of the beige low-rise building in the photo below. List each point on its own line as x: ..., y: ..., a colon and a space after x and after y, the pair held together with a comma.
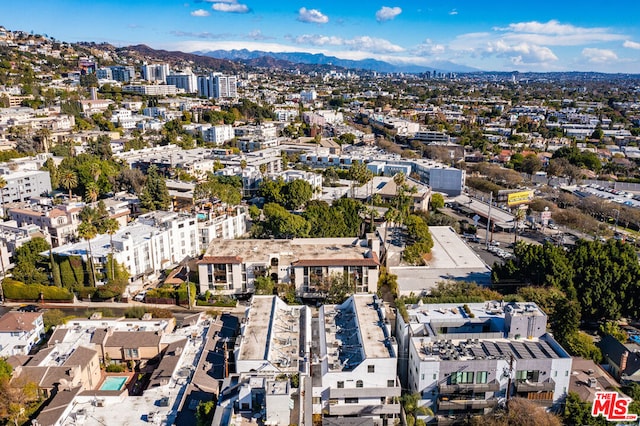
x: 232, y: 266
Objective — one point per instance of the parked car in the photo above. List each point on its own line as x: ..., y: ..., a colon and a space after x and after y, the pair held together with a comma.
x: 140, y: 296
x: 29, y: 308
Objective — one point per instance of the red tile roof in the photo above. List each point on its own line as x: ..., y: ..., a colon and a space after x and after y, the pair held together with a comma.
x: 220, y: 259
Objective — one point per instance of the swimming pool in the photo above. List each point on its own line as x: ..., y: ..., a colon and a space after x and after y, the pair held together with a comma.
x: 113, y: 383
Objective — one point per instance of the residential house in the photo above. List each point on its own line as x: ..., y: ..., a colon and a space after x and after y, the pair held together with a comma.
x: 19, y: 332
x: 623, y: 358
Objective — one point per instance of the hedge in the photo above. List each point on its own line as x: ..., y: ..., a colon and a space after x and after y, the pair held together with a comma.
x: 15, y: 290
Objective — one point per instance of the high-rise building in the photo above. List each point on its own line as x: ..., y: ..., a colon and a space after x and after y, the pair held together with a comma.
x: 155, y: 72
x: 225, y: 86
x: 187, y: 81
x: 123, y: 73
x: 217, y: 85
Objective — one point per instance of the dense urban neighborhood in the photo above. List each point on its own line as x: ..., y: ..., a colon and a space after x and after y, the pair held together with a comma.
x: 191, y: 240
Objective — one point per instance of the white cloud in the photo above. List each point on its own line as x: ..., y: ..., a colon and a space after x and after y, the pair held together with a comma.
x: 387, y: 13
x: 453, y: 12
x: 374, y: 45
x: 230, y: 6
x: 428, y: 47
x: 362, y: 43
x: 631, y: 44
x: 200, y: 12
x: 312, y: 15
x: 553, y: 33
x: 599, y: 56
x: 319, y: 40
x: 257, y: 35
x: 522, y: 53
x: 202, y: 35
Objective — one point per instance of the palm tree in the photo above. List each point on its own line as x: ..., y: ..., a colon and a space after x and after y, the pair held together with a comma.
x: 373, y: 213
x: 3, y: 185
x: 390, y: 216
x: 95, y: 171
x: 69, y: 180
x: 43, y: 136
x: 111, y: 226
x: 92, y: 192
x: 88, y: 231
x: 243, y: 165
x: 412, y: 407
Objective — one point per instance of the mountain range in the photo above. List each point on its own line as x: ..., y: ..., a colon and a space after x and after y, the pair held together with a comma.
x: 253, y: 58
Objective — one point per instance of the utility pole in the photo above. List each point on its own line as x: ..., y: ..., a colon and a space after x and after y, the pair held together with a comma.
x: 509, y: 379
x: 188, y: 289
x: 489, y: 220
x: 226, y: 358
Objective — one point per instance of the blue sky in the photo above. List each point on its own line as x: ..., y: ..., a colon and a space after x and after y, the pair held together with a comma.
x: 540, y: 35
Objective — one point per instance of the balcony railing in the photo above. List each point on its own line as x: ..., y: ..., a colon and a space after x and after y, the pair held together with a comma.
x: 492, y: 386
x: 524, y: 386
x: 364, y: 410
x: 467, y: 404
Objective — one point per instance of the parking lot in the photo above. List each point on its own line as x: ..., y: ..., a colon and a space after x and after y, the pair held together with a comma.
x: 617, y: 196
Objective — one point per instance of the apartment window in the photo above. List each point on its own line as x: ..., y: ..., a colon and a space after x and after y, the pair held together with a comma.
x: 351, y: 400
x: 422, y: 376
x: 371, y: 368
x: 359, y: 384
x: 481, y: 377
x: 131, y: 353
x: 461, y: 377
x: 530, y: 375
x: 391, y: 383
x: 316, y: 400
x: 555, y: 373
x: 340, y: 385
x: 435, y: 376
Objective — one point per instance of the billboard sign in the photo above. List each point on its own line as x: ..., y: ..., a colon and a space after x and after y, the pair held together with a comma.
x: 517, y: 198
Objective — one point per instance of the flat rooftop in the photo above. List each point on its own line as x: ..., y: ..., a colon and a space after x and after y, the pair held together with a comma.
x: 290, y: 251
x: 434, y: 313
x: 353, y: 333
x: 481, y: 349
x: 451, y: 259
x: 272, y: 333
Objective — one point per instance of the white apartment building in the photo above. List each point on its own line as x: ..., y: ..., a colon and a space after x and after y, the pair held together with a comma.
x: 23, y: 185
x: 217, y: 85
x: 123, y: 118
x: 225, y: 86
x: 272, y: 337
x: 461, y: 358
x: 308, y: 95
x: 155, y: 112
x: 154, y: 242
x: 187, y: 81
x: 225, y: 225
x: 354, y: 361
x: 155, y: 72
x: 13, y: 236
x: 218, y: 134
x: 19, y: 332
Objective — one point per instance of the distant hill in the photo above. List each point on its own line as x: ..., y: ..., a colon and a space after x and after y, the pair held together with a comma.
x: 142, y: 51
x: 249, y: 57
